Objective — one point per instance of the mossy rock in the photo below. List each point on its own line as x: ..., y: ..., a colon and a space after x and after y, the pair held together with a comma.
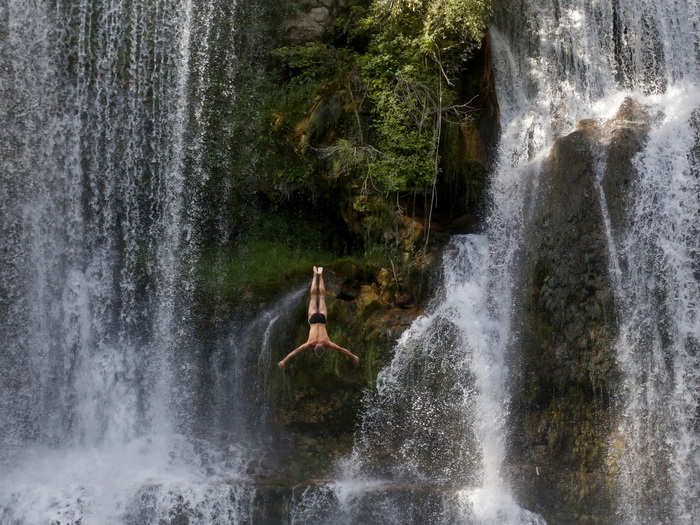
x: 567, y: 375
x: 317, y: 399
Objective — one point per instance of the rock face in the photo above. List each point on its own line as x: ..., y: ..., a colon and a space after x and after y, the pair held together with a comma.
x: 310, y: 19
x: 468, y: 148
x: 317, y: 398
x: 562, y: 398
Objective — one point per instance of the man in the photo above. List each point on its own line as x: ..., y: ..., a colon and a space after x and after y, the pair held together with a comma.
x: 318, y: 336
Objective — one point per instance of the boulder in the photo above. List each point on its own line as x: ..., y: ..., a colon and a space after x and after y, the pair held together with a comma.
x: 625, y: 135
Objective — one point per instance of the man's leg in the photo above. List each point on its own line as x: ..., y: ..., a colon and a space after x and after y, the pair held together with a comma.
x: 313, y: 301
x: 322, y: 294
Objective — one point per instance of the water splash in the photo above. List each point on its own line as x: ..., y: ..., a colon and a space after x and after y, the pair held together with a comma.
x: 140, y: 481
x: 432, y: 439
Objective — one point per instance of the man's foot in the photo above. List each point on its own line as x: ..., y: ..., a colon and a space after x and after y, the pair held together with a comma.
x: 315, y: 270
x: 319, y: 270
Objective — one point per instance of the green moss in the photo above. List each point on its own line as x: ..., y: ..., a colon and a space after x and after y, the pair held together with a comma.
x: 278, y: 248
x: 262, y: 262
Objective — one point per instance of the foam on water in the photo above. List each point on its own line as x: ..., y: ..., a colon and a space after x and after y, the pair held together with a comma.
x: 141, y: 481
x: 488, y: 504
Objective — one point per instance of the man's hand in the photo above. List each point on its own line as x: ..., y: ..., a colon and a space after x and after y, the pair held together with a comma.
x: 281, y: 364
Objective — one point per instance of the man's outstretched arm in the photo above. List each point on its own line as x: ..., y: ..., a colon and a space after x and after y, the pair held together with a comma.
x: 293, y: 353
x: 343, y: 350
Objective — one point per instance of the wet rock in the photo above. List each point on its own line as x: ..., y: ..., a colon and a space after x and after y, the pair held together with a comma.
x: 467, y: 148
x: 349, y: 291
x: 385, y: 278
x: 568, y: 372
x: 317, y: 398
x: 410, y: 232
x: 625, y: 135
x: 369, y: 300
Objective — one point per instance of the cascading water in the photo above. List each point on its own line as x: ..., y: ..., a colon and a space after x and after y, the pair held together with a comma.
x: 98, y: 202
x: 101, y: 121
x: 658, y: 346
x: 437, y: 421
x: 583, y: 58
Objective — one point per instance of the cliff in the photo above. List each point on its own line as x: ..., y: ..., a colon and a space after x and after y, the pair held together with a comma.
x: 563, y: 398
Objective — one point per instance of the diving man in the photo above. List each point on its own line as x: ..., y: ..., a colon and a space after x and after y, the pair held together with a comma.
x: 318, y: 336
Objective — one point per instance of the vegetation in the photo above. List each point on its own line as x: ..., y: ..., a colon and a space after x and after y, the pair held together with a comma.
x: 346, y: 132
x: 274, y: 250
x: 372, y: 100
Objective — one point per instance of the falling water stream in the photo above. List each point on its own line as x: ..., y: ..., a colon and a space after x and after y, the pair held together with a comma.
x: 96, y: 383
x: 659, y: 296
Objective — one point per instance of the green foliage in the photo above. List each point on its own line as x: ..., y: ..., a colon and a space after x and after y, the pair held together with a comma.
x: 441, y: 24
x: 313, y: 60
x: 404, y: 71
x: 399, y: 89
x: 364, y: 107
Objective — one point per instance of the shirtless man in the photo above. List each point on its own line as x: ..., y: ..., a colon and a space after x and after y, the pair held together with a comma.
x: 318, y: 337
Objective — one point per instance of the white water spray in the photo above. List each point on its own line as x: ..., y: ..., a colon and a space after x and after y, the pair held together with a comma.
x: 659, y: 338
x: 96, y: 196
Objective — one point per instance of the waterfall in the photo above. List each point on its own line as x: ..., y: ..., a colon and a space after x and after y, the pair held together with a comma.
x: 115, y: 409
x: 102, y: 125
x: 432, y: 441
x: 580, y: 59
x: 660, y: 332
x: 98, y: 191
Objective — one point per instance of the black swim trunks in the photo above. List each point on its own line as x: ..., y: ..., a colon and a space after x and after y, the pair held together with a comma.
x: 317, y: 318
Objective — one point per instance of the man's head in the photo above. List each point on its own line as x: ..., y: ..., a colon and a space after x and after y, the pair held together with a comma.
x: 318, y: 349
